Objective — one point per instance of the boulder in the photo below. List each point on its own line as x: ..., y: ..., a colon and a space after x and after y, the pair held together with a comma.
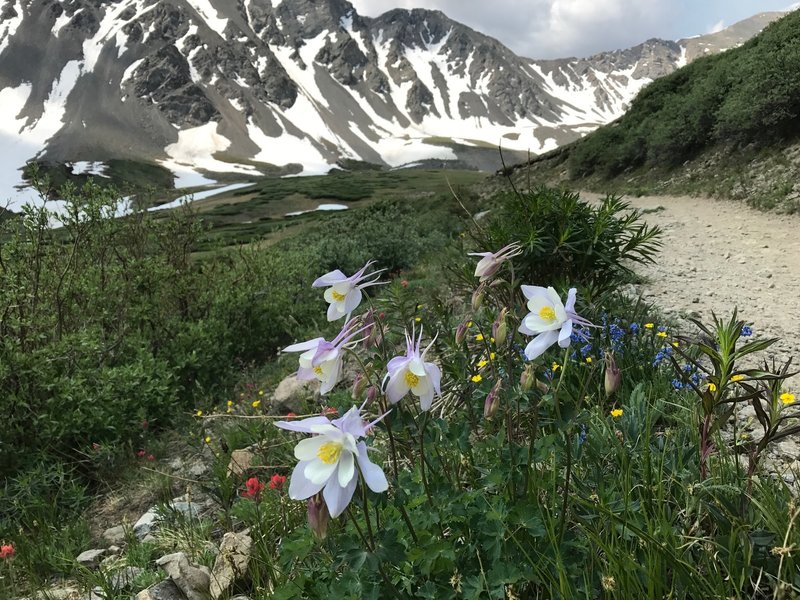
x: 241, y: 461
x: 114, y: 535
x: 166, y: 590
x: 192, y: 580
x: 91, y: 558
x: 231, y: 563
x: 291, y: 393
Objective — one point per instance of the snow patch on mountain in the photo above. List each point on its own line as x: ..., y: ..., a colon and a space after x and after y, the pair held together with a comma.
x: 9, y: 26
x: 196, y: 147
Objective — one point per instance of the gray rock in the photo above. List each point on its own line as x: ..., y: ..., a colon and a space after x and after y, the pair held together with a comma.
x: 60, y: 592
x: 91, y: 558
x: 192, y: 580
x: 231, y: 563
x: 123, y: 579
x: 146, y: 523
x: 114, y: 535
x: 166, y: 590
x: 241, y: 461
x: 291, y: 393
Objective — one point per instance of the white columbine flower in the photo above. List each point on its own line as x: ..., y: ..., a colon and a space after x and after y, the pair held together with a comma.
x: 491, y: 261
x: 344, y: 293
x: 411, y: 372
x: 322, y: 360
x: 328, y: 460
x: 549, y: 320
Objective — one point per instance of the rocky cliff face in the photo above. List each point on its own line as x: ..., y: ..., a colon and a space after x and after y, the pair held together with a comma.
x: 223, y: 85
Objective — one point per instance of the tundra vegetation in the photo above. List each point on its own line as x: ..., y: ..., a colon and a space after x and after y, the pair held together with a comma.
x: 507, y: 425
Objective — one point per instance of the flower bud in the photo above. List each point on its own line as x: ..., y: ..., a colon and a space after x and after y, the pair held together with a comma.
x: 499, y: 327
x: 359, y: 385
x: 527, y: 378
x: 613, y: 376
x: 461, y: 333
x: 542, y: 386
x: 318, y: 516
x: 477, y: 298
x: 372, y: 393
x: 492, y: 401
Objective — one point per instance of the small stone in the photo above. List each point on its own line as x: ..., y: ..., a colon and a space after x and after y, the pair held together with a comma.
x: 124, y: 579
x: 91, y: 558
x: 291, y: 393
x: 231, y: 563
x: 771, y: 285
x: 727, y: 255
x: 114, y: 550
x: 695, y: 300
x: 192, y: 580
x: 241, y: 461
x: 114, y: 535
x: 146, y: 523
x: 166, y: 590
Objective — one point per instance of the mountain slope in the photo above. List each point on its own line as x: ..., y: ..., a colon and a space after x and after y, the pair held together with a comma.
x: 247, y: 85
x: 726, y: 124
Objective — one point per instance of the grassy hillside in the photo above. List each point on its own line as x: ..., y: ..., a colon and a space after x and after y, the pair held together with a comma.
x: 701, y: 128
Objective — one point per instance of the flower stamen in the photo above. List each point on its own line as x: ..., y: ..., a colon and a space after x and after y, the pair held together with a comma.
x: 329, y: 452
x: 547, y: 314
x: 411, y: 380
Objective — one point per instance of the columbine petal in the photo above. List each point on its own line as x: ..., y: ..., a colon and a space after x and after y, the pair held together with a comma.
x: 347, y: 468
x: 308, y: 448
x: 435, y: 375
x: 564, y: 334
x: 329, y: 279
x: 352, y: 300
x: 303, y: 346
x: 317, y: 471
x: 426, y: 399
x: 540, y: 343
x: 417, y: 367
x: 397, y: 387
x: 337, y: 497
x: 300, y: 487
x: 331, y: 376
x: 304, y: 425
x: 373, y: 475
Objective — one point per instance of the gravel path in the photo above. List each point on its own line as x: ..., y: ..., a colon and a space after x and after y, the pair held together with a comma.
x: 718, y: 255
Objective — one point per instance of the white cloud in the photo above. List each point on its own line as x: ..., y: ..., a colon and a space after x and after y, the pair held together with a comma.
x: 719, y: 26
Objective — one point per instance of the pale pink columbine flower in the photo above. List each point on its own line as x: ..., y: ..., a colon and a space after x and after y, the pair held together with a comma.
x: 549, y: 320
x: 332, y: 458
x: 412, y: 373
x: 344, y: 293
x: 491, y: 261
x: 322, y: 360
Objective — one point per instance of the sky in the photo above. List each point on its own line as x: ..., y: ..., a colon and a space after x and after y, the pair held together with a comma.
x: 563, y: 28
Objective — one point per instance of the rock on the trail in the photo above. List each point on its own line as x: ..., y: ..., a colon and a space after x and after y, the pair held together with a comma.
x: 192, y: 580
x: 291, y: 393
x: 232, y: 562
x: 91, y: 558
x: 114, y: 535
x: 166, y: 590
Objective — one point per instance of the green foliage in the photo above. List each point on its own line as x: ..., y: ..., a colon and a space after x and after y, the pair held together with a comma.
x: 566, y: 239
x: 746, y: 95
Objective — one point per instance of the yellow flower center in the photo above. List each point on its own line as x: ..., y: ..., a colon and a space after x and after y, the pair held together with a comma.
x: 318, y: 370
x: 547, y: 313
x: 329, y: 452
x: 337, y: 296
x: 411, y: 380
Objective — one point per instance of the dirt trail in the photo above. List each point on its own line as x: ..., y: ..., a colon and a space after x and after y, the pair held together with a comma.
x: 718, y: 255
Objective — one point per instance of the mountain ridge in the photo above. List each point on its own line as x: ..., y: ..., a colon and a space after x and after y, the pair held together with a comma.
x: 243, y: 86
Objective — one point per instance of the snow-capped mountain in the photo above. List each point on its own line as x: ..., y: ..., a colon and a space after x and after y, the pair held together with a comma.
x: 239, y: 85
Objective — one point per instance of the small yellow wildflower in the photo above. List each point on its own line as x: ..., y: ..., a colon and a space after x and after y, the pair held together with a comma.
x: 675, y: 344
x: 470, y: 324
x: 230, y: 402
x: 712, y: 387
x: 207, y: 439
x: 482, y: 363
x: 589, y: 360
x: 260, y: 392
x: 491, y: 339
x: 199, y: 413
x: 662, y: 334
x: 492, y: 355
x: 555, y: 367
x: 228, y: 410
x: 256, y: 403
x: 479, y: 337
x: 617, y: 412
x: 476, y: 378
x: 787, y: 398
x: 648, y: 325
x: 737, y: 377
x: 419, y: 306
x: 418, y: 319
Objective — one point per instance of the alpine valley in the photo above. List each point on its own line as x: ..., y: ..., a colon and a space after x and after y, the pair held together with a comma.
x: 254, y: 87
